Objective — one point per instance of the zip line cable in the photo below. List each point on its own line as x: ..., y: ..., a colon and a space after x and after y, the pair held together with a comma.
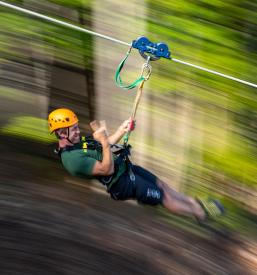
x: 217, y: 73
x: 72, y: 26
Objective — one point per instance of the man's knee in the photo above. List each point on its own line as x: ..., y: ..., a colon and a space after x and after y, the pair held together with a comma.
x: 169, y: 202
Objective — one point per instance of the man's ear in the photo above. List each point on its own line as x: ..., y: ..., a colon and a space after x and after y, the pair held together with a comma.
x: 61, y: 133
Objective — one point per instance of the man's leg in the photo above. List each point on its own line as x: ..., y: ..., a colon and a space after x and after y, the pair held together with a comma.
x: 180, y: 204
x: 148, y: 186
x: 175, y: 202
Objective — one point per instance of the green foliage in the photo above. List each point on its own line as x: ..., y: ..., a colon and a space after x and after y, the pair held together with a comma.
x: 73, y: 4
x: 215, y: 35
x: 29, y: 127
x: 15, y: 94
x: 69, y: 46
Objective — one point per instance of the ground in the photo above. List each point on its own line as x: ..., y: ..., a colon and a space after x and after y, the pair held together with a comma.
x: 54, y: 224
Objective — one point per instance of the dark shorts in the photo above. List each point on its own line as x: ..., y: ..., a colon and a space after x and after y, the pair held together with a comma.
x: 144, y: 188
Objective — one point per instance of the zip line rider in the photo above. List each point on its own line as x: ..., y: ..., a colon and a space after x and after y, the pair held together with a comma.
x: 93, y: 158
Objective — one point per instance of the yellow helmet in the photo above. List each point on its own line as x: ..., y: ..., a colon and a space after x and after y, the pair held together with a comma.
x: 61, y: 118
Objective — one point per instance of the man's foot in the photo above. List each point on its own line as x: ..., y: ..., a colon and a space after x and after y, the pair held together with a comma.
x: 213, y: 209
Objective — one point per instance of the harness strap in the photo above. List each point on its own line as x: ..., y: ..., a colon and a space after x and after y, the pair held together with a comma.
x: 123, y: 156
x: 89, y: 143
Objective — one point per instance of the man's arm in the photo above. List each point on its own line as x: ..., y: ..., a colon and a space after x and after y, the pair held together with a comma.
x: 121, y: 131
x: 106, y: 166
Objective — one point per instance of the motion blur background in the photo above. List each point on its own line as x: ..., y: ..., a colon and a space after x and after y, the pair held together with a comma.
x: 195, y: 130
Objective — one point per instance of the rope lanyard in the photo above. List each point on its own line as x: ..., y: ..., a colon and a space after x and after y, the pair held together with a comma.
x: 145, y: 74
x: 133, y: 116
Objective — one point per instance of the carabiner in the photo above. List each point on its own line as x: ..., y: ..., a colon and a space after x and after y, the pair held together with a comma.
x: 146, y: 71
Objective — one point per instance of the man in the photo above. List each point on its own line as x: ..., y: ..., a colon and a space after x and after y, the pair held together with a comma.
x: 92, y: 157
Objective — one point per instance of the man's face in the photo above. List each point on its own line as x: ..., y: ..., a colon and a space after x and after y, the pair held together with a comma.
x: 73, y: 134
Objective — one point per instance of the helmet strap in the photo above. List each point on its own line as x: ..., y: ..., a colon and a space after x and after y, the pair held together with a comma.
x: 69, y: 136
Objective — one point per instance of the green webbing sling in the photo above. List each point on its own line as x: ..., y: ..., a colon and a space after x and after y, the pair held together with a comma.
x: 118, y: 80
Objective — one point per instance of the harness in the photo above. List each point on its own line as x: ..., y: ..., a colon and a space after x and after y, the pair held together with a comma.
x: 122, y: 151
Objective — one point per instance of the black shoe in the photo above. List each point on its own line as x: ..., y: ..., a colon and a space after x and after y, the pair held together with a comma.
x: 212, y: 208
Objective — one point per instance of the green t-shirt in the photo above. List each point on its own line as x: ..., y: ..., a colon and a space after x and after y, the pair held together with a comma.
x: 80, y: 162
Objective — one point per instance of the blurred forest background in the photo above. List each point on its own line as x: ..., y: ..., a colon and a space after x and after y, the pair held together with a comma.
x: 197, y: 131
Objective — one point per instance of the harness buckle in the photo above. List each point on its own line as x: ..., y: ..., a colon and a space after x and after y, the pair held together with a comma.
x: 131, y: 174
x: 106, y: 180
